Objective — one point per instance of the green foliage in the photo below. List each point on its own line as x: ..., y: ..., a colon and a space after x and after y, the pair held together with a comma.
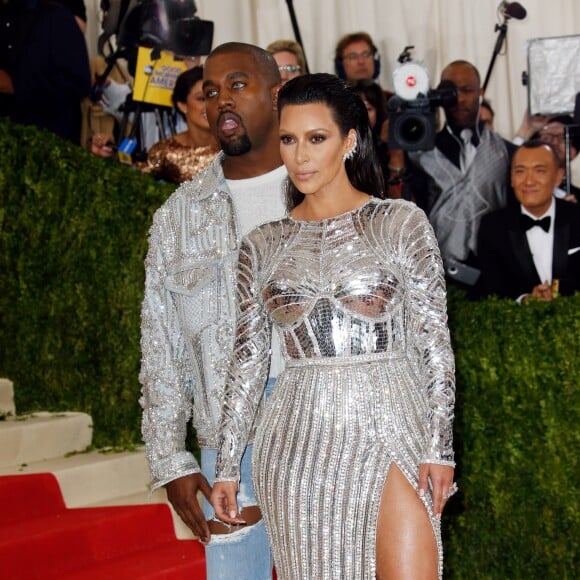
x: 517, y: 429
x: 73, y: 234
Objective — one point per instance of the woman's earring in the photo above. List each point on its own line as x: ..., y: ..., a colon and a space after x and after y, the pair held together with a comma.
x: 350, y: 153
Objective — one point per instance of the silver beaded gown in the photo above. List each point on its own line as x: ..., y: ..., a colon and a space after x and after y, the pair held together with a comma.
x: 359, y: 302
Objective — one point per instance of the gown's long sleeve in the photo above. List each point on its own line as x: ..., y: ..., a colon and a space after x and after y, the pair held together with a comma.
x: 248, y: 368
x: 427, y: 320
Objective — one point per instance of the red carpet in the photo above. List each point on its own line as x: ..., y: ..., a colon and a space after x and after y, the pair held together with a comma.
x: 41, y: 538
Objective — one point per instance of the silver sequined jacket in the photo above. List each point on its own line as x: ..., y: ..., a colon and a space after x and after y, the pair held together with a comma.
x: 187, y: 321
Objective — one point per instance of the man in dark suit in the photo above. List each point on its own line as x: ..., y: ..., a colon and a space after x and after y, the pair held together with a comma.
x: 44, y: 66
x: 533, y: 249
x: 465, y: 175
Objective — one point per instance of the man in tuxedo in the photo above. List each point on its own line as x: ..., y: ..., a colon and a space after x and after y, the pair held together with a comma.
x: 532, y: 249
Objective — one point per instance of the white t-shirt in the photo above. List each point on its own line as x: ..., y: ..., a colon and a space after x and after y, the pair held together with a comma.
x: 258, y: 200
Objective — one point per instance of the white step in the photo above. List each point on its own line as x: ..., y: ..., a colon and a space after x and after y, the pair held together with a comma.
x: 7, y: 406
x: 30, y: 438
x: 55, y: 442
x: 101, y: 479
x: 89, y: 478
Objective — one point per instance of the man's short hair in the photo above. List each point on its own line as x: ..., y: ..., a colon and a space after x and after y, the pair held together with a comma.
x: 566, y: 121
x: 465, y: 63
x: 263, y: 59
x: 537, y: 144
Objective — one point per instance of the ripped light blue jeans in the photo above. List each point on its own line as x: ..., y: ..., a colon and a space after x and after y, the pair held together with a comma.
x: 245, y: 554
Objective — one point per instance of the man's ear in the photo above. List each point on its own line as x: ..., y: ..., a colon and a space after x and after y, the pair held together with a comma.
x: 275, y: 90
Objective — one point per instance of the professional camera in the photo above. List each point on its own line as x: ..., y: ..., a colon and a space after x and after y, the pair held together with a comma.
x: 158, y: 24
x: 412, y: 122
x: 154, y: 37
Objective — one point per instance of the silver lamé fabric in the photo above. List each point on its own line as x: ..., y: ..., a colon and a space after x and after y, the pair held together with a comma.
x: 188, y: 319
x: 359, y: 302
x: 458, y: 200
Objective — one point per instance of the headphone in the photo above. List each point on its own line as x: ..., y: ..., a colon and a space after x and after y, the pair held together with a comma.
x: 339, y: 67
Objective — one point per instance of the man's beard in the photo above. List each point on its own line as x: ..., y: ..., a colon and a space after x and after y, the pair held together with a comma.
x: 238, y: 147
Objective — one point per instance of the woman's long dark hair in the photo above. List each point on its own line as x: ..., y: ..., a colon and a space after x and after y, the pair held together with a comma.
x: 348, y: 111
x: 375, y: 95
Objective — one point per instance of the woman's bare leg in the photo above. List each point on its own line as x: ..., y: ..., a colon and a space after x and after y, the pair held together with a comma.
x: 406, y: 545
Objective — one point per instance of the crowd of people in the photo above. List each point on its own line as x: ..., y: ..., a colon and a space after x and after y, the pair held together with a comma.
x: 295, y: 294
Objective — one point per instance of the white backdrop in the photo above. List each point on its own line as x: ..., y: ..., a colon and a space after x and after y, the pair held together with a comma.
x: 440, y: 30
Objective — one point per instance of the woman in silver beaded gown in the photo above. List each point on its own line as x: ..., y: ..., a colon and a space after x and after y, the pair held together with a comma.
x: 353, y: 458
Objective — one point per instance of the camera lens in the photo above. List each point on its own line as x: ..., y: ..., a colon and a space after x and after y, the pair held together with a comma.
x: 412, y: 129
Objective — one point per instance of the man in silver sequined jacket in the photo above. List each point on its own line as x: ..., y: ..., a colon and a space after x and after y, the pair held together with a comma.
x: 188, y: 309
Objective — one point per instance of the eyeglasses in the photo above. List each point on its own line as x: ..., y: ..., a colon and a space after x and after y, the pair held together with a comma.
x: 290, y: 68
x: 551, y: 135
x: 356, y: 55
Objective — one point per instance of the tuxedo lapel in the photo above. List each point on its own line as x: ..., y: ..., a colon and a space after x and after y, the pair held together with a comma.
x: 521, y: 249
x: 562, y: 233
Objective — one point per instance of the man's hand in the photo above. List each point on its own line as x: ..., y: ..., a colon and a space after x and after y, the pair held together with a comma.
x: 531, y: 124
x: 182, y: 494
x: 101, y: 144
x: 542, y: 292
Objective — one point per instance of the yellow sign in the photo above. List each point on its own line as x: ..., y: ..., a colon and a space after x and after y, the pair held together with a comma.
x: 155, y: 78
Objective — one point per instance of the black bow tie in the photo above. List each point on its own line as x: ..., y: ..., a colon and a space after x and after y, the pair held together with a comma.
x: 528, y: 222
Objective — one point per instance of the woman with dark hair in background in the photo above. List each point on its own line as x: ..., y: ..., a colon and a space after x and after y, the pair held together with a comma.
x: 375, y: 101
x: 353, y: 458
x: 182, y: 156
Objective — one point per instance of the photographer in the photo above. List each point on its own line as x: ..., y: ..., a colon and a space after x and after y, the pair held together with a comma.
x: 464, y: 176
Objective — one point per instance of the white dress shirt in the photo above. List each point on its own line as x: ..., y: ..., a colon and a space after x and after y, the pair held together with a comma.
x: 542, y: 244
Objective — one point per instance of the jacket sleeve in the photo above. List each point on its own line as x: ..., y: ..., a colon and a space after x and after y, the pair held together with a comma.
x: 166, y: 375
x: 248, y: 368
x: 491, y: 256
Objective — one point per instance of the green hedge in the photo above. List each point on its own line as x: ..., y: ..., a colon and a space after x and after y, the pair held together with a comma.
x: 517, y: 424
x: 72, y: 241
x: 73, y: 235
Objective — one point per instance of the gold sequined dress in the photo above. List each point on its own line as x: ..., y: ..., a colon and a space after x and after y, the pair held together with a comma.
x: 359, y: 302
x: 172, y: 161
